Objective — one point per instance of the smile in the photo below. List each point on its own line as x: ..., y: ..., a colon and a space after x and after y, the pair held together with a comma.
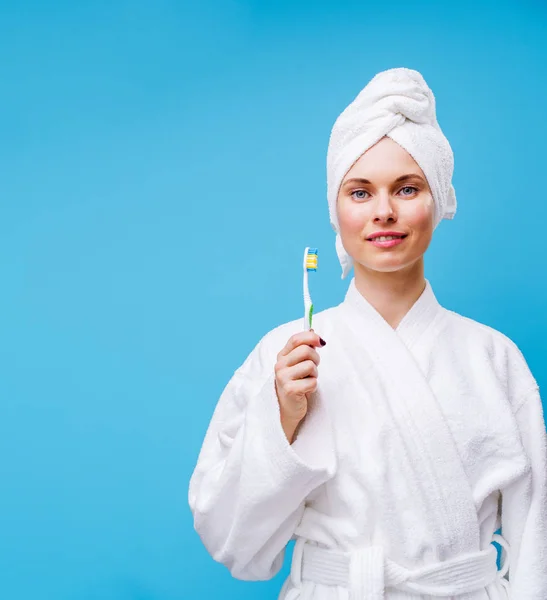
x: 388, y: 241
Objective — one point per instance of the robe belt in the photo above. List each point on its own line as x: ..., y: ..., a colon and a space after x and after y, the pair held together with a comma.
x: 367, y: 572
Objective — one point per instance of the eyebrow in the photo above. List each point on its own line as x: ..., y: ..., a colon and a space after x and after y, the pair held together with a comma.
x: 401, y: 178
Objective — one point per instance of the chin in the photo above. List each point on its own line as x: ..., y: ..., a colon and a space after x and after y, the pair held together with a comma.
x: 387, y: 266
x: 385, y: 269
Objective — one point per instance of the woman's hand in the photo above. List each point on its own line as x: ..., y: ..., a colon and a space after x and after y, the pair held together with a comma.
x: 296, y: 378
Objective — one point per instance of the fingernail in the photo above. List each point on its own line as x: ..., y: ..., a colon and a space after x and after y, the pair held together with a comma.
x: 322, y: 341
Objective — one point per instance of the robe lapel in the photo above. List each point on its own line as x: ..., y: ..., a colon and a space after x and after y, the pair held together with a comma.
x: 418, y: 416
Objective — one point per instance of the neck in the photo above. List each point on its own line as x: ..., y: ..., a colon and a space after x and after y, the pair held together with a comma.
x: 393, y: 293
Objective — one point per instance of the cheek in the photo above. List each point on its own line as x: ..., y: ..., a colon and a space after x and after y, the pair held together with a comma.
x: 351, y: 216
x: 421, y: 216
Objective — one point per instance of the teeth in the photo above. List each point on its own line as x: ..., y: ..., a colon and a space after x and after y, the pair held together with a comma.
x: 386, y: 238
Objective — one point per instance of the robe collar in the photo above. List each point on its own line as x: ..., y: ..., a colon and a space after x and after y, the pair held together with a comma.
x: 420, y: 315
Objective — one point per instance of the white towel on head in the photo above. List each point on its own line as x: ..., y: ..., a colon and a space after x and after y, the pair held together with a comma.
x: 399, y: 104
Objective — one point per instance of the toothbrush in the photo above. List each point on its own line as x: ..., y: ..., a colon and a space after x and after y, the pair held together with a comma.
x: 310, y: 264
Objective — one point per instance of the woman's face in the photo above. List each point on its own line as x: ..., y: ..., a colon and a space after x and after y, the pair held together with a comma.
x: 371, y: 200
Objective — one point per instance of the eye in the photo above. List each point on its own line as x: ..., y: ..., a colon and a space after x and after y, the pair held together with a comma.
x: 360, y: 197
x: 359, y: 194
x: 409, y: 187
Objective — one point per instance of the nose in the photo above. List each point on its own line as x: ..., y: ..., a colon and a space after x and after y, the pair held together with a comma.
x: 384, y: 210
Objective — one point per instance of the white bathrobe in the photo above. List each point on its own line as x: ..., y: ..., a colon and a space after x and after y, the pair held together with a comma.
x: 419, y: 444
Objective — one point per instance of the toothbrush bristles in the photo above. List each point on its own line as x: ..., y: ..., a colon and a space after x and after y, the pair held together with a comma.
x: 311, y: 259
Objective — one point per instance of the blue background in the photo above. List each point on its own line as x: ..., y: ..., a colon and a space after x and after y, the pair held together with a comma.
x: 162, y: 166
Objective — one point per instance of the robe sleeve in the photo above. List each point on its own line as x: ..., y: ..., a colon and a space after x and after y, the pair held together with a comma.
x: 524, y: 508
x: 248, y: 490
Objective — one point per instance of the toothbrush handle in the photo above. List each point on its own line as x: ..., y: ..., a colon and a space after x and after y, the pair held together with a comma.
x: 307, y: 302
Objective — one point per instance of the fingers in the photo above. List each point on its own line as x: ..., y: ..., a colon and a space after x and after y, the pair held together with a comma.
x: 299, y: 354
x: 301, y: 370
x: 309, y: 338
x: 298, y: 387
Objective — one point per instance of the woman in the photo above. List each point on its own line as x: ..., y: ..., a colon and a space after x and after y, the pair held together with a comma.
x: 395, y: 447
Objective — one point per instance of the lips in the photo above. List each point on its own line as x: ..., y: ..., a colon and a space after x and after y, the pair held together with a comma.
x: 395, y: 241
x: 398, y: 237
x: 387, y: 234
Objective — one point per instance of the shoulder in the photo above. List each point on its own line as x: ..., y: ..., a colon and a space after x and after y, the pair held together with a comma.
x: 476, y: 330
x: 486, y: 344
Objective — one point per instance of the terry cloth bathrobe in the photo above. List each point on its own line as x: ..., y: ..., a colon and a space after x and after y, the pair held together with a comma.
x: 419, y: 443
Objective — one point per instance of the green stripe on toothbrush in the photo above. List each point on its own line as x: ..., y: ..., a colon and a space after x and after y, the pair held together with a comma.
x: 310, y: 312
